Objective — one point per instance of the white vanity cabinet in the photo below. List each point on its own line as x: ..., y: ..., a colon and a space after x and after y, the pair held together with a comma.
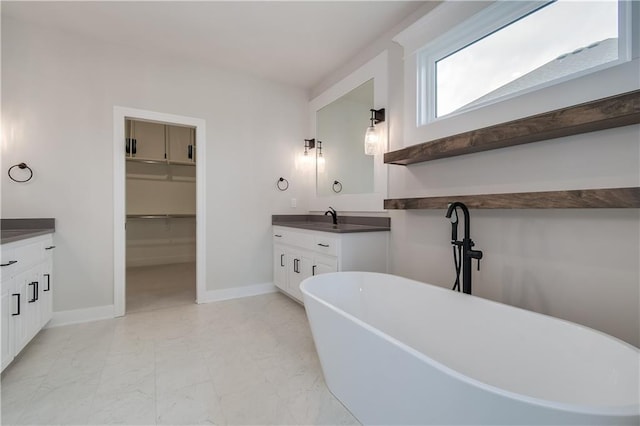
x: 302, y: 253
x: 27, y: 284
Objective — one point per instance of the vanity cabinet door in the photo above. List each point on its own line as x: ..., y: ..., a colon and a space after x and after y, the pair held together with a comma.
x: 324, y: 264
x: 280, y: 267
x: 33, y: 311
x: 7, y: 308
x: 181, y: 144
x: 150, y: 141
x: 300, y: 267
x: 21, y: 322
x: 46, y: 292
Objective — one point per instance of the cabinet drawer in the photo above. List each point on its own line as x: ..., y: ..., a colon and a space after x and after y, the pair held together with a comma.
x: 9, y: 261
x: 29, y: 254
x: 24, y: 254
x: 294, y: 238
x: 326, y: 245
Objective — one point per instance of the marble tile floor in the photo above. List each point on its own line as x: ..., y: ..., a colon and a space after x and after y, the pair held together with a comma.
x: 160, y: 286
x: 237, y: 362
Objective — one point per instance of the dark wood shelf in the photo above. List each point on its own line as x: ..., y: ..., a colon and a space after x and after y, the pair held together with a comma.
x: 574, y: 199
x: 615, y: 111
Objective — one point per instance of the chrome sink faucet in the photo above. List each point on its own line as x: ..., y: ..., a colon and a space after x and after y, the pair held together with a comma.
x: 334, y: 215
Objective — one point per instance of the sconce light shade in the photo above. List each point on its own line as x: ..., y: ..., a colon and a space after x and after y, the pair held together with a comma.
x: 371, y: 141
x: 371, y: 136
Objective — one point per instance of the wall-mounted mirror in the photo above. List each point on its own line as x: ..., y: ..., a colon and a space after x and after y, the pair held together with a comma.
x: 339, y: 118
x: 340, y: 127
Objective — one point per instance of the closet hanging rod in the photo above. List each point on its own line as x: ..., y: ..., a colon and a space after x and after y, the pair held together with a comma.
x: 177, y: 163
x: 160, y: 216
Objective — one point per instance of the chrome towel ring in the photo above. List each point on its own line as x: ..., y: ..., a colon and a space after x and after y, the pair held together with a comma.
x: 21, y: 166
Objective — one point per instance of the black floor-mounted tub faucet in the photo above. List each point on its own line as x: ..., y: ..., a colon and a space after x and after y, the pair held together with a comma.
x: 467, y: 243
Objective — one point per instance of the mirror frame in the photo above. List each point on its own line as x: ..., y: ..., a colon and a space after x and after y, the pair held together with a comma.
x: 375, y: 69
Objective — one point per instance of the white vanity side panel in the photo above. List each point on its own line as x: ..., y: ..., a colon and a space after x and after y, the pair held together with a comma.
x: 365, y: 251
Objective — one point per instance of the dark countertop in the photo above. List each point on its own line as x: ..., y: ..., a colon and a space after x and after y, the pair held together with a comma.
x: 20, y: 229
x: 346, y: 224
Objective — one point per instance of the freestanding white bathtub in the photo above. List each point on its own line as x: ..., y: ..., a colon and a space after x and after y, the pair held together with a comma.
x: 397, y: 351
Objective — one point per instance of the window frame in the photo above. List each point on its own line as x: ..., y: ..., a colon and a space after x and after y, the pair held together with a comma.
x: 489, y: 20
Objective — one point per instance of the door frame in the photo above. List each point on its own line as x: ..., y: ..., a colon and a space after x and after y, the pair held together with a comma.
x: 119, y: 199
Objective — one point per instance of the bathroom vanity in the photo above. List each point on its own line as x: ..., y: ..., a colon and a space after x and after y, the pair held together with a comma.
x: 26, y: 282
x: 308, y: 245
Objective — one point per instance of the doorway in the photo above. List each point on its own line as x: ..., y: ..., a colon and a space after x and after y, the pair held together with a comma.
x: 159, y: 205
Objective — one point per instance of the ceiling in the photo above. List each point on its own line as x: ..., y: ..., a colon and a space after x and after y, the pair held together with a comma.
x: 299, y: 42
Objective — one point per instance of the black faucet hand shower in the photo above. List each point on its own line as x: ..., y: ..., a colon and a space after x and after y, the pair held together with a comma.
x: 334, y: 215
x: 467, y: 243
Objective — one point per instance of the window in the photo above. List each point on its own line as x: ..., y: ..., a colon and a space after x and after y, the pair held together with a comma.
x: 513, y: 47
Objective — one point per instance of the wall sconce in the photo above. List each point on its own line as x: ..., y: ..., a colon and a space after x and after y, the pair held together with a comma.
x: 304, y: 160
x: 309, y: 144
x: 371, y: 137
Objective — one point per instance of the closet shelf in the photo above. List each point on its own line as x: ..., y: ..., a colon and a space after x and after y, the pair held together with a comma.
x: 160, y: 216
x: 572, y: 199
x: 615, y: 111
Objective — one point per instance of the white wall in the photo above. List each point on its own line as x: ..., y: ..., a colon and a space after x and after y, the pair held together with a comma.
x: 58, y: 95
x: 581, y: 265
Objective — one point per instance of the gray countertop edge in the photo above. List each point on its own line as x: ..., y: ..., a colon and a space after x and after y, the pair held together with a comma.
x: 315, y: 218
x: 346, y: 229
x: 322, y: 223
x: 25, y: 234
x: 13, y: 230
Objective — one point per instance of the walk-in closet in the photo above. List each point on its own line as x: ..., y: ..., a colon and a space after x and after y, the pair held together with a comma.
x: 161, y: 215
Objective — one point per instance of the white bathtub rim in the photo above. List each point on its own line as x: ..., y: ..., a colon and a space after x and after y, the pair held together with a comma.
x: 612, y: 411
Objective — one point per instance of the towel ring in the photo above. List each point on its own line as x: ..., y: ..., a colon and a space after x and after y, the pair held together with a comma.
x: 282, y: 186
x: 337, y: 186
x: 21, y: 166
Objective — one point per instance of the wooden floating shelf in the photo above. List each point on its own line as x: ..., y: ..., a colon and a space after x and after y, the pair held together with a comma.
x: 606, y: 113
x: 574, y: 199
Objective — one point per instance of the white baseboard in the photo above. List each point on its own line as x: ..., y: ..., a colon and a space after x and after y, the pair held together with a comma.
x: 237, y: 292
x: 77, y: 316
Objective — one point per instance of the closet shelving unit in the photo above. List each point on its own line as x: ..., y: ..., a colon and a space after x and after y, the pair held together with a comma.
x: 615, y: 111
x: 160, y: 152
